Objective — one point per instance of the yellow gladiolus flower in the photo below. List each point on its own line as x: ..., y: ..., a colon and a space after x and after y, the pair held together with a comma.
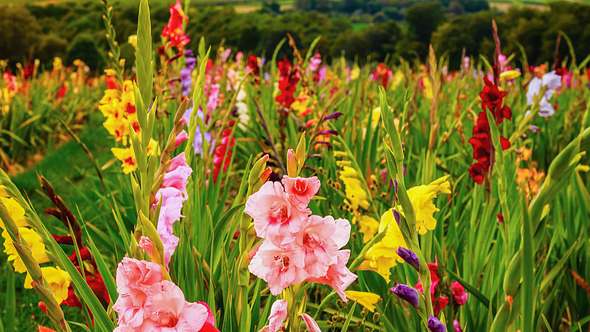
x: 15, y: 210
x: 382, y: 256
x: 366, y: 299
x: 33, y: 241
x: 509, y: 75
x: 127, y: 157
x: 424, y: 208
x: 57, y: 279
x: 368, y: 226
x: 354, y: 191
x: 132, y: 39
x: 355, y: 72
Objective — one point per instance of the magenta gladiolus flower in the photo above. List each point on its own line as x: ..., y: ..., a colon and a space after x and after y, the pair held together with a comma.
x: 459, y: 294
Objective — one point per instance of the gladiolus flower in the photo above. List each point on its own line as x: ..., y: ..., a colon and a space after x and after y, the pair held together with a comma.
x: 320, y: 238
x: 278, y: 314
x: 301, y: 190
x: 33, y: 241
x: 422, y: 202
x: 551, y: 82
x: 57, y: 279
x: 382, y: 256
x: 366, y: 299
x: 274, y: 215
x: 279, y: 267
x: 409, y: 256
x: 459, y: 294
x: 16, y: 211
x: 174, y: 30
x: 310, y: 323
x: 435, y: 325
x: 338, y: 276
x: 406, y: 293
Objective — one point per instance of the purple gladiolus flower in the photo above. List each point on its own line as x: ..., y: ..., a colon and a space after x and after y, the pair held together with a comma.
x: 435, y: 325
x: 406, y: 293
x: 186, y: 79
x: 409, y: 256
x: 331, y: 116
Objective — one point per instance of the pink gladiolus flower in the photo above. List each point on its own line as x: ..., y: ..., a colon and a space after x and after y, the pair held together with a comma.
x: 459, y: 294
x: 338, y: 276
x: 278, y: 314
x: 148, y: 303
x: 181, y: 138
x: 279, y: 267
x: 274, y: 215
x: 301, y: 190
x: 171, y: 196
x: 310, y: 323
x: 320, y: 238
x: 134, y: 279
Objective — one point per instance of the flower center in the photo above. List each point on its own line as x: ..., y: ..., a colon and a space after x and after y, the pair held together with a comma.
x: 279, y: 213
x: 282, y: 262
x: 300, y: 187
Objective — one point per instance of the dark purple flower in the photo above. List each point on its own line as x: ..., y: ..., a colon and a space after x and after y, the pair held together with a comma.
x: 409, y: 256
x: 332, y: 116
x: 327, y: 132
x: 406, y: 293
x: 434, y: 325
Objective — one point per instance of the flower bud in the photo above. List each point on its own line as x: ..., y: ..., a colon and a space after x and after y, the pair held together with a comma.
x: 332, y: 116
x: 409, y: 256
x: 435, y: 325
x: 406, y: 293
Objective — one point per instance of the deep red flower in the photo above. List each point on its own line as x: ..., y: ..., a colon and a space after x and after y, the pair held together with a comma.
x: 288, y: 79
x: 479, y: 170
x: 491, y: 96
x: 174, y: 30
x: 252, y: 66
x: 61, y: 92
x: 439, y: 303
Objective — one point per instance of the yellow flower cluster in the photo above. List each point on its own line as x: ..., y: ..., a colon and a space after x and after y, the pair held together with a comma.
x: 57, y: 279
x: 118, y: 107
x: 382, y: 256
x: 356, y: 196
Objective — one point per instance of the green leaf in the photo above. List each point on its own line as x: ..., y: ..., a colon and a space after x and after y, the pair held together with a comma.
x: 143, y: 54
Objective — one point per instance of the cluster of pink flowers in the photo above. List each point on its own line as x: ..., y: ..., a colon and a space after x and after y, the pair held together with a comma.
x: 170, y: 197
x: 148, y: 302
x: 297, y: 246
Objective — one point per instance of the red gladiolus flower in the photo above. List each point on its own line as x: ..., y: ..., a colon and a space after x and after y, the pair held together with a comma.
x: 61, y: 92
x: 174, y: 30
x: 460, y: 296
x: 223, y: 152
x: 253, y: 67
x: 382, y: 74
x: 492, y: 99
x: 288, y: 79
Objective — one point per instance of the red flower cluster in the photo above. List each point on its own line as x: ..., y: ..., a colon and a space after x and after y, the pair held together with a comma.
x: 492, y: 99
x: 288, y: 79
x: 253, y: 67
x: 223, y: 152
x: 174, y: 30
x: 439, y: 302
x: 382, y: 74
x: 93, y: 279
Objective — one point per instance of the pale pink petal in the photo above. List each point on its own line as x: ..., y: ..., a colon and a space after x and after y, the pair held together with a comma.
x: 301, y: 190
x: 310, y: 323
x: 278, y: 314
